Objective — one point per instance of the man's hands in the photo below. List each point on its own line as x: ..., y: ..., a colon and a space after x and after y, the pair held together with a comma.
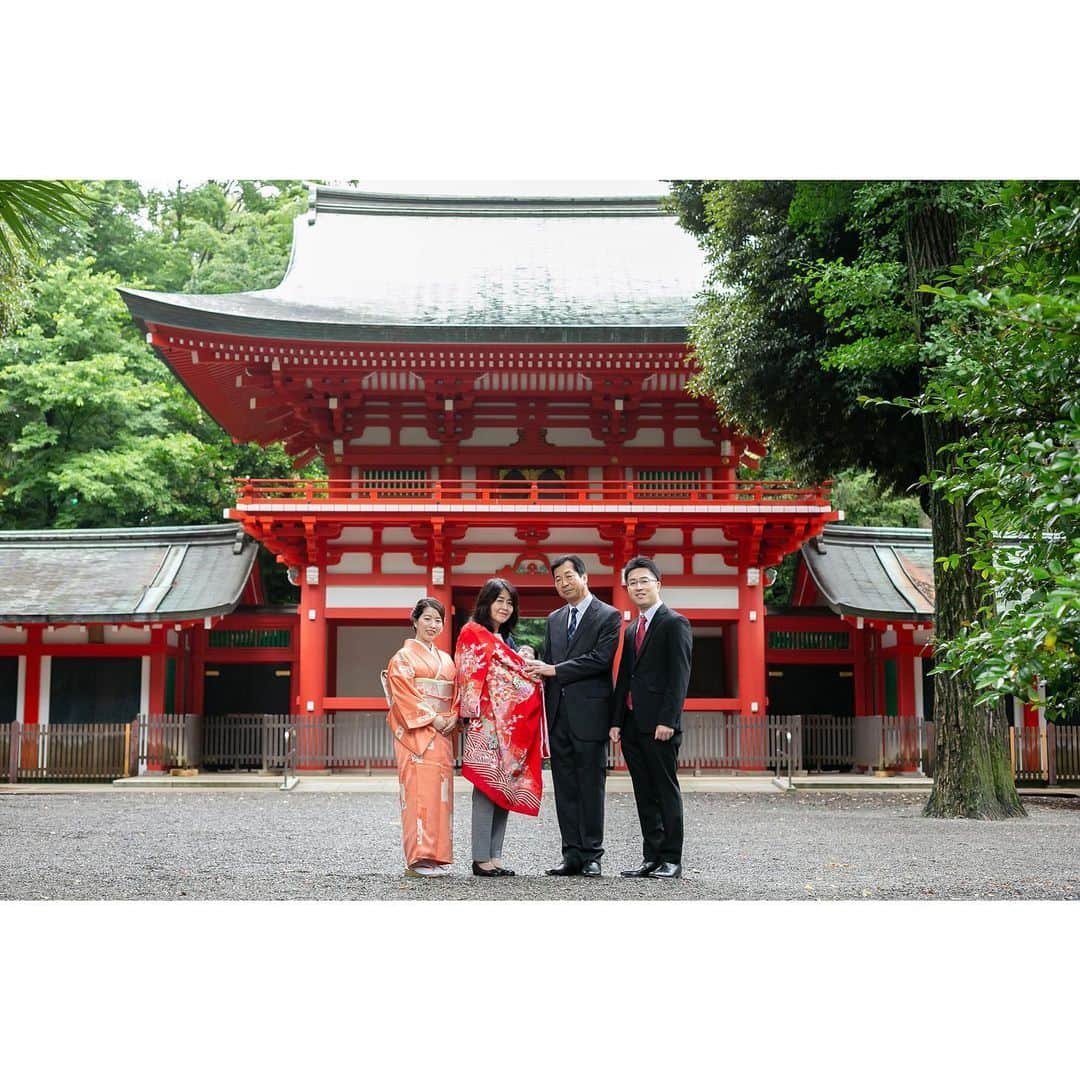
x: 538, y: 667
x: 662, y: 733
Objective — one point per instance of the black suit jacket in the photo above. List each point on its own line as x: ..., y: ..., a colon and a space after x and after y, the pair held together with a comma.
x: 582, y: 679
x: 658, y: 678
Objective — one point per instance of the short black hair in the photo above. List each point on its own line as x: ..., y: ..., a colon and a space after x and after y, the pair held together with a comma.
x: 577, y: 560
x: 639, y: 562
x: 427, y: 602
x: 488, y: 595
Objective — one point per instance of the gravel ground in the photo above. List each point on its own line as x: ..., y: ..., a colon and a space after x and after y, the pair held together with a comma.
x: 269, y: 845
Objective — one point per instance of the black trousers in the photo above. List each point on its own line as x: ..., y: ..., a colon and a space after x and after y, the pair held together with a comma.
x: 652, y: 766
x: 579, y: 773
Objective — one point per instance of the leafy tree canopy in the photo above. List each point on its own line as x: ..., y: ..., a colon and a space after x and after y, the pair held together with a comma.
x: 94, y: 428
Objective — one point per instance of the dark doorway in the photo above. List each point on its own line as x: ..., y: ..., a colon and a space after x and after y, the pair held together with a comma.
x: 246, y: 688
x: 94, y: 691
x: 9, y: 688
x: 708, y: 668
x: 811, y: 689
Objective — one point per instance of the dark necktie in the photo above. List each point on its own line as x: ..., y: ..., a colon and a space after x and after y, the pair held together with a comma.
x: 639, y: 637
x: 573, y: 625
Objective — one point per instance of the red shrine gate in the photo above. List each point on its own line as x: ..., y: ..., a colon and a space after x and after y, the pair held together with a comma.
x: 490, y: 383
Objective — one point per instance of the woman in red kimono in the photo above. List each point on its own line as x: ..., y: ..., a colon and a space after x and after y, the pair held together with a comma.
x: 506, y: 736
x: 421, y: 691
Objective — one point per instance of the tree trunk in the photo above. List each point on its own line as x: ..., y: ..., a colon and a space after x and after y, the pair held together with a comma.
x: 973, y: 774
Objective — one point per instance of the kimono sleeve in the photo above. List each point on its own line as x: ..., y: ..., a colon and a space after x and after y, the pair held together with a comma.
x: 472, y: 660
x: 409, y: 706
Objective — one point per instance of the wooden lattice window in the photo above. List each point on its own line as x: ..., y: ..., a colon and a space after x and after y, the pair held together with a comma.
x: 667, y: 483
x: 250, y: 639
x: 809, y: 639
x: 393, y: 481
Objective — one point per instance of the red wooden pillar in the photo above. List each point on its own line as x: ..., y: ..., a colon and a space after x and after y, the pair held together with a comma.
x: 1031, y: 739
x: 439, y: 562
x: 197, y: 669
x: 906, y: 651
x: 751, y: 661
x: 312, y: 643
x: 158, y: 647
x: 31, y: 695
x: 32, y: 681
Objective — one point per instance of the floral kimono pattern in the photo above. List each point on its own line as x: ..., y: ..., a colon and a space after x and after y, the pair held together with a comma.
x: 420, y: 686
x: 506, y: 737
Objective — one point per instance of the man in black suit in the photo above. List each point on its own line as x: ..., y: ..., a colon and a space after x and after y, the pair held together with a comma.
x: 579, y: 648
x: 654, y: 673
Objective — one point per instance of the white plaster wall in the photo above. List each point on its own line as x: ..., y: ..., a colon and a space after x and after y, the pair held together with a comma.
x: 400, y: 536
x: 144, y: 685
x: 486, y: 562
x: 416, y: 436
x: 571, y: 437
x: 64, y: 635
x: 20, y: 692
x: 353, y: 562
x: 721, y: 597
x: 373, y: 436
x: 44, y: 691
x: 354, y: 535
x: 647, y: 437
x: 127, y: 635
x: 888, y: 639
x: 486, y: 436
x: 689, y: 437
x: 666, y: 538
x: 394, y: 562
x: 10, y: 635
x: 500, y: 535
x: 712, y: 564
x: 374, y: 596
x: 669, y: 564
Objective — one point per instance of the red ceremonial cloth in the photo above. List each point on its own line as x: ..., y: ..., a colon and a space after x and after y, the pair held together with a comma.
x: 507, y: 737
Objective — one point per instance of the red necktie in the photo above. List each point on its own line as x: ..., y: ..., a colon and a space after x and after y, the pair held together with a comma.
x: 639, y: 637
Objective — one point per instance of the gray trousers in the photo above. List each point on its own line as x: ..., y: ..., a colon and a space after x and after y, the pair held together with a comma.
x: 488, y: 827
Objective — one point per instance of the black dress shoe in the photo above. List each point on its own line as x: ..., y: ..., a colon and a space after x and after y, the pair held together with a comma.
x: 479, y: 871
x: 591, y: 868
x: 501, y: 871
x: 564, y: 869
x: 668, y: 870
x: 644, y: 870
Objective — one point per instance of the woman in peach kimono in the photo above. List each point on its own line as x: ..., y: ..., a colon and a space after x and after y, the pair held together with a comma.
x: 506, y: 738
x: 421, y: 690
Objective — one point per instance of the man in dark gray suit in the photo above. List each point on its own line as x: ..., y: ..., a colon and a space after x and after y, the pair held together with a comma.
x: 579, y: 648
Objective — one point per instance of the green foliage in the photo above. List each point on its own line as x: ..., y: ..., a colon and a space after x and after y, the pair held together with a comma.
x: 1008, y: 371
x: 761, y: 341
x: 94, y: 428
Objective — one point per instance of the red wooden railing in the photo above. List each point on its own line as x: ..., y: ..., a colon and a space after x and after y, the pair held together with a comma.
x: 581, y: 491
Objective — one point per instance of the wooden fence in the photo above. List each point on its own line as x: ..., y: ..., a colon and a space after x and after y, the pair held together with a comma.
x: 65, y: 752
x: 362, y: 741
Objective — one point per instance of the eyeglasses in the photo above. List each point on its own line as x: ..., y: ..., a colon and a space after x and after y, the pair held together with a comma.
x: 638, y: 582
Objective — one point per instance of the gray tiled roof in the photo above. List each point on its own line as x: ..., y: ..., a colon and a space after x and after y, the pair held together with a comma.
x: 876, y: 573
x: 123, y: 575
x: 371, y: 267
